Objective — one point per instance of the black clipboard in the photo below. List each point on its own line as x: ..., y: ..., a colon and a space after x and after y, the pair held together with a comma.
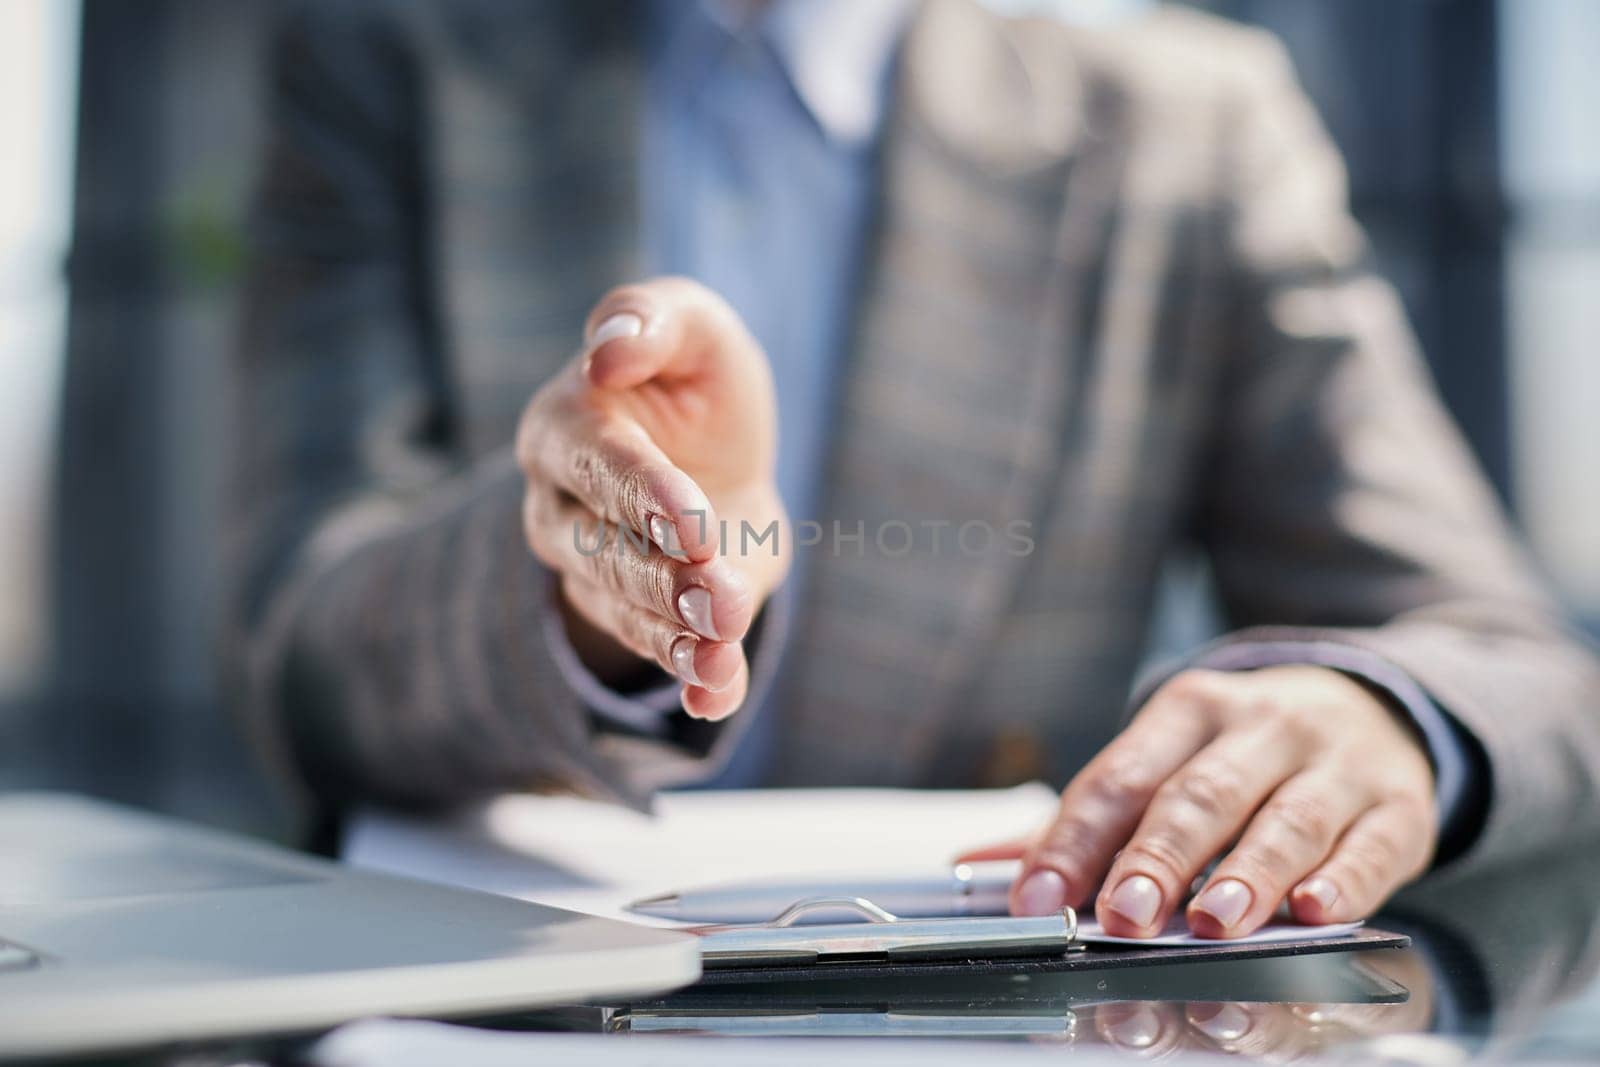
x: 887, y: 946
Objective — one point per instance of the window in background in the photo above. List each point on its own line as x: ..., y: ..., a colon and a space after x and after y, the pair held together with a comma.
x: 168, y: 114
x: 38, y: 102
x: 1551, y: 152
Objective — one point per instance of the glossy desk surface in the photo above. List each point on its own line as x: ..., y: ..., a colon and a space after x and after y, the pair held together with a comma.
x: 1503, y: 964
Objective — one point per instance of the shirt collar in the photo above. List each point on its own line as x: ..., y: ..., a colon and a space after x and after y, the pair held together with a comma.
x: 837, y: 54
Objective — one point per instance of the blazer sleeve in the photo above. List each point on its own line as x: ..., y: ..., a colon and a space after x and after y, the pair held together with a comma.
x: 386, y: 621
x: 1341, y: 504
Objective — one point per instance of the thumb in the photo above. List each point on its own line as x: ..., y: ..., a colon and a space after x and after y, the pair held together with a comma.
x: 615, y: 354
x: 667, y: 328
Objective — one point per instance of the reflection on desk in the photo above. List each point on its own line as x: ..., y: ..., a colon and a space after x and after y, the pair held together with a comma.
x: 1127, y: 1009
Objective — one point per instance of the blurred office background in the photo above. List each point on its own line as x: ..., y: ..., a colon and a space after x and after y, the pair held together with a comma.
x: 129, y: 133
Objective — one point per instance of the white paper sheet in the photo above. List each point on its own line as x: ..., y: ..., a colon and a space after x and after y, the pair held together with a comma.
x: 1177, y: 933
x: 534, y: 847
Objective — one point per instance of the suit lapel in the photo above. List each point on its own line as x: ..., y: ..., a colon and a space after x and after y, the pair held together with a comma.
x: 951, y: 422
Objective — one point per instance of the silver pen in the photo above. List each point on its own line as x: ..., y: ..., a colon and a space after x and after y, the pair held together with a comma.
x: 965, y: 889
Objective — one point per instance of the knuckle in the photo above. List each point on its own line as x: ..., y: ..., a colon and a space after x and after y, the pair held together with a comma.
x: 1306, y: 822
x: 1277, y: 728
x: 1060, y: 858
x: 662, y: 638
x: 589, y: 473
x: 1194, y: 686
x: 610, y: 564
x: 1288, y: 723
x: 1368, y: 863
x: 633, y: 629
x: 591, y: 544
x: 1384, y: 839
x: 1263, y: 863
x: 639, y: 574
x: 1411, y: 803
x: 659, y: 580
x: 1211, y: 791
x: 1123, y: 780
x: 647, y: 644
x: 650, y: 640
x: 1356, y: 875
x: 632, y: 493
x: 1064, y: 844
x: 1158, y: 854
x: 626, y: 628
x: 1382, y: 847
x: 1306, y: 724
x: 1265, y: 707
x: 1421, y: 843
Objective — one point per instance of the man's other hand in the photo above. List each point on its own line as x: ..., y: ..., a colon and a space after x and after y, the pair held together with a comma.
x: 1308, y: 785
x: 661, y: 433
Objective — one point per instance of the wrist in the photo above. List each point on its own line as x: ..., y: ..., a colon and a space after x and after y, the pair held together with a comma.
x: 602, y: 655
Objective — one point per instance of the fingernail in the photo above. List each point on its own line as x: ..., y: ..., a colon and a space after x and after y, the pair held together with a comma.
x: 1042, y: 893
x: 1324, y: 892
x: 1228, y: 1022
x: 665, y: 535
x: 659, y: 531
x: 1137, y: 899
x: 683, y: 659
x: 622, y: 324
x: 694, y: 604
x: 1138, y: 1029
x: 1225, y: 901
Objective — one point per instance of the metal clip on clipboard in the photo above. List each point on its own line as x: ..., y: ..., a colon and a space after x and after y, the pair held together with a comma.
x: 883, y: 937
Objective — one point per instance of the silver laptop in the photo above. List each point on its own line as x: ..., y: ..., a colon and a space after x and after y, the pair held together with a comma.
x: 121, y: 930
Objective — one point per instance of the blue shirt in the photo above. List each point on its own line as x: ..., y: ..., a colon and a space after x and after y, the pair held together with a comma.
x: 757, y: 180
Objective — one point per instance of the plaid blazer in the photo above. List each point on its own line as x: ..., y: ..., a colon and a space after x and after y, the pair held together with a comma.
x: 1113, y: 290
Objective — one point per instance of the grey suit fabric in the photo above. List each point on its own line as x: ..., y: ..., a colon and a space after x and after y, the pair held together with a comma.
x: 1113, y: 291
